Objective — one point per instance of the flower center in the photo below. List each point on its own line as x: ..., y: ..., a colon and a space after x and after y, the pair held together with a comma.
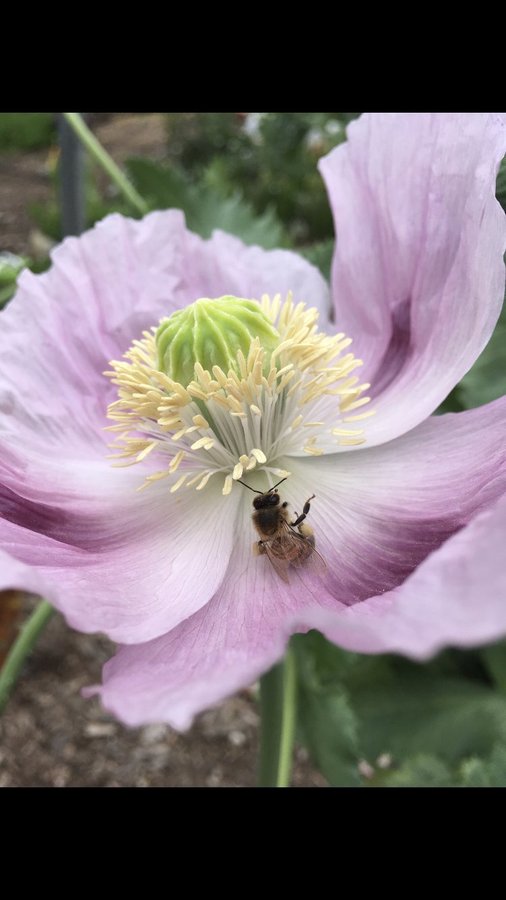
x: 283, y: 388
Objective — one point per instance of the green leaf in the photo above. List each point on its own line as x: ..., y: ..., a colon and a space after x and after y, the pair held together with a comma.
x: 320, y: 255
x: 452, y: 403
x: 412, y: 712
x: 494, y: 658
x: 234, y: 215
x: 474, y: 773
x: 423, y: 770
x: 205, y: 204
x: 491, y: 772
x: 264, y: 156
x: 327, y: 724
x: 497, y: 766
x: 27, y: 131
x: 424, y: 720
x: 329, y: 731
x: 487, y: 379
x: 500, y: 188
x: 10, y: 267
x: 162, y: 187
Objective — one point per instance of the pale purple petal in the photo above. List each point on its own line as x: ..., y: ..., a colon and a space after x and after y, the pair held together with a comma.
x: 456, y: 597
x: 378, y: 513
x: 374, y: 524
x: 111, y: 559
x: 250, y: 272
x: 63, y: 327
x: 418, y: 273
x: 132, y: 565
x: 240, y: 634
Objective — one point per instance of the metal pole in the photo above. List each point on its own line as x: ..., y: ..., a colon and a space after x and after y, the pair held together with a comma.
x: 72, y: 198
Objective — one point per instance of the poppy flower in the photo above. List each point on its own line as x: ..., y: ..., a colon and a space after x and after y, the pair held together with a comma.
x: 229, y: 363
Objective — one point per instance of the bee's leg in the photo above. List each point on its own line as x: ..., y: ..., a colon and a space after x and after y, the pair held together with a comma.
x: 307, y: 533
x: 305, y: 511
x: 258, y: 548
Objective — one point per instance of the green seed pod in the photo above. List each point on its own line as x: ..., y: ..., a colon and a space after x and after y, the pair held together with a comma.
x: 211, y: 332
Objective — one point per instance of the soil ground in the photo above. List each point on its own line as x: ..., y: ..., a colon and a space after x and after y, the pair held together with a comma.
x: 49, y: 735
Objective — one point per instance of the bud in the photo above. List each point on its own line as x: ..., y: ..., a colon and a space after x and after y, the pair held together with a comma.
x: 211, y: 332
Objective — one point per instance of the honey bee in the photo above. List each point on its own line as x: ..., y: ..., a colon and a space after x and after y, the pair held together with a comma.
x: 285, y: 543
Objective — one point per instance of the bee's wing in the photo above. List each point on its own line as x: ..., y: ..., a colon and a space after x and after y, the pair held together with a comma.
x: 280, y: 565
x: 310, y: 559
x: 314, y: 561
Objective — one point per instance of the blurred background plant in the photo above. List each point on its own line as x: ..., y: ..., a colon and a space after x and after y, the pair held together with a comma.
x: 26, y: 131
x: 234, y: 171
x: 375, y: 721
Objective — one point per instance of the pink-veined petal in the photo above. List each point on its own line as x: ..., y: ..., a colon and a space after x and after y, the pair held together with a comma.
x: 63, y: 327
x: 110, y: 559
x: 373, y: 524
x: 418, y: 273
x: 378, y: 513
x: 130, y: 564
x: 240, y: 634
x: 456, y: 597
x: 250, y: 272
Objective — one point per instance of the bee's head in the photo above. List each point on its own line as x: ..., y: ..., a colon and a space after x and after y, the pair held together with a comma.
x: 266, y: 501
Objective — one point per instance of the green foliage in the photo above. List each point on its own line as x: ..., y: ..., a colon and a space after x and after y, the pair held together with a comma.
x: 426, y: 770
x: 487, y: 379
x: 414, y: 724
x: 10, y: 267
x: 500, y: 188
x: 47, y: 216
x: 411, y: 710
x: 494, y: 660
x: 491, y: 772
x: 270, y: 157
x: 422, y: 770
x: 320, y: 255
x: 194, y: 139
x: 206, y: 204
x: 328, y: 725
x: 27, y: 131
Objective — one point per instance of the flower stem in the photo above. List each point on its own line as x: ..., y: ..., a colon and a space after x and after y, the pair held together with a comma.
x: 21, y: 648
x: 102, y: 157
x: 278, y: 704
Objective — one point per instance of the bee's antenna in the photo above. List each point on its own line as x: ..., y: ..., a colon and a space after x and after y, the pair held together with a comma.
x: 262, y: 492
x: 249, y: 488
